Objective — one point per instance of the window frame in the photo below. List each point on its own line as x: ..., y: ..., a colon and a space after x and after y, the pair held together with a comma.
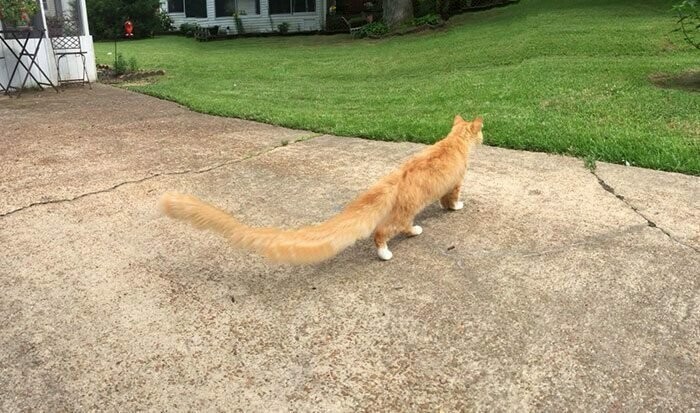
x: 258, y: 8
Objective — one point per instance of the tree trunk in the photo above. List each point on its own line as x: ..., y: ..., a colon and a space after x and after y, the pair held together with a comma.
x: 397, y: 12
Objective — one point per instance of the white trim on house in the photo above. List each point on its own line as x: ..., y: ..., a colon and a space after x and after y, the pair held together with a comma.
x: 256, y: 23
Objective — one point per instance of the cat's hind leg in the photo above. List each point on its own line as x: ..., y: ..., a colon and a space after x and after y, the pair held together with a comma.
x: 381, y: 236
x: 451, y: 199
x: 400, y: 220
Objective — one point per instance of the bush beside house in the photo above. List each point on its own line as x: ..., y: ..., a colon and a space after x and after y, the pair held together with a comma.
x: 107, y: 17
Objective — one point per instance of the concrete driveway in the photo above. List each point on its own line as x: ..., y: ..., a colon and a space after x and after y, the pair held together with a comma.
x: 553, y: 289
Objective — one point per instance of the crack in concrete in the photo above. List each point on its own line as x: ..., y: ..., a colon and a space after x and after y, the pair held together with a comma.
x: 689, y: 310
x: 650, y: 223
x: 308, y: 137
x: 156, y: 175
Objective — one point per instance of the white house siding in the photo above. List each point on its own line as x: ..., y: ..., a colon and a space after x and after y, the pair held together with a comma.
x: 43, y: 60
x: 257, y: 23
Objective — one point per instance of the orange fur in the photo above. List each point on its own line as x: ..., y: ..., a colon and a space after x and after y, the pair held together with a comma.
x: 386, y: 209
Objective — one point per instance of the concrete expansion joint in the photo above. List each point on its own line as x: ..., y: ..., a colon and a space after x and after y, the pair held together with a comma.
x: 650, y: 223
x: 155, y: 175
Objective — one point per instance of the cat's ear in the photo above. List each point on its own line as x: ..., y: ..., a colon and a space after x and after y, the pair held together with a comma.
x: 458, y: 119
x: 476, y: 125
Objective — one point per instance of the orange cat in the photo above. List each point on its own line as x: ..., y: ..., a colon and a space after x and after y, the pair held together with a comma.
x: 387, y: 208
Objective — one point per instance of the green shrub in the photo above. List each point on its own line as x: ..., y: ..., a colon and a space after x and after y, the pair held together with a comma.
x: 431, y: 19
x: 376, y: 29
x: 688, y: 12
x: 16, y: 11
x: 166, y: 22
x: 283, y: 27
x: 106, y: 17
x: 188, y: 29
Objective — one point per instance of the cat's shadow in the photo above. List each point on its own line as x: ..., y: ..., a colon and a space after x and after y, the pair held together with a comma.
x: 431, y: 212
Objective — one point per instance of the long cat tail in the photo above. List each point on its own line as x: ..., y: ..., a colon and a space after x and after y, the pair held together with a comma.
x: 306, y: 245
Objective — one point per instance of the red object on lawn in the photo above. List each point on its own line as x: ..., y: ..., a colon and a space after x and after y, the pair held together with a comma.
x: 128, y: 28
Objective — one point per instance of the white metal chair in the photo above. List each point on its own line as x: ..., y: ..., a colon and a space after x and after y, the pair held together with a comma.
x: 66, y: 42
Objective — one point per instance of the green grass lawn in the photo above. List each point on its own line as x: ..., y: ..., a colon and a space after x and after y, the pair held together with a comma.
x: 547, y: 75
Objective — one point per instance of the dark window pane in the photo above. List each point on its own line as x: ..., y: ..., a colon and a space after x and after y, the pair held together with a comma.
x: 280, y: 7
x: 176, y: 6
x: 301, y: 6
x: 195, y: 8
x: 257, y: 6
x: 225, y: 8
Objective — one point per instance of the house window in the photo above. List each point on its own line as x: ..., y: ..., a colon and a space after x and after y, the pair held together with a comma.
x: 280, y: 7
x: 248, y: 7
x: 289, y: 6
x: 225, y: 8
x: 304, y: 6
x: 196, y: 8
x: 176, y: 6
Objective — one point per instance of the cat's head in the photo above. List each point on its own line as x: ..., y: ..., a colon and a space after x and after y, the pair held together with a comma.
x: 469, y: 130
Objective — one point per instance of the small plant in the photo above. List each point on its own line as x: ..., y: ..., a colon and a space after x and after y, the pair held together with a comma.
x: 120, y: 65
x: 430, y: 19
x: 133, y: 64
x: 284, y: 142
x: 688, y: 12
x: 18, y: 11
x: 239, y: 23
x: 376, y: 29
x: 283, y: 27
x: 590, y: 162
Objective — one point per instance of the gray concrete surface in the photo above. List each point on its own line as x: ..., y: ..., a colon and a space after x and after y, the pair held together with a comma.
x: 546, y: 292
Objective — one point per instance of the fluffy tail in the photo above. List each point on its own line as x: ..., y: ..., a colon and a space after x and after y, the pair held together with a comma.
x: 301, y: 246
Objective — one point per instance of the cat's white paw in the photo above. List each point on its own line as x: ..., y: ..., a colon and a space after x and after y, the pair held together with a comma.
x: 384, y: 253
x: 416, y: 230
x: 457, y: 206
